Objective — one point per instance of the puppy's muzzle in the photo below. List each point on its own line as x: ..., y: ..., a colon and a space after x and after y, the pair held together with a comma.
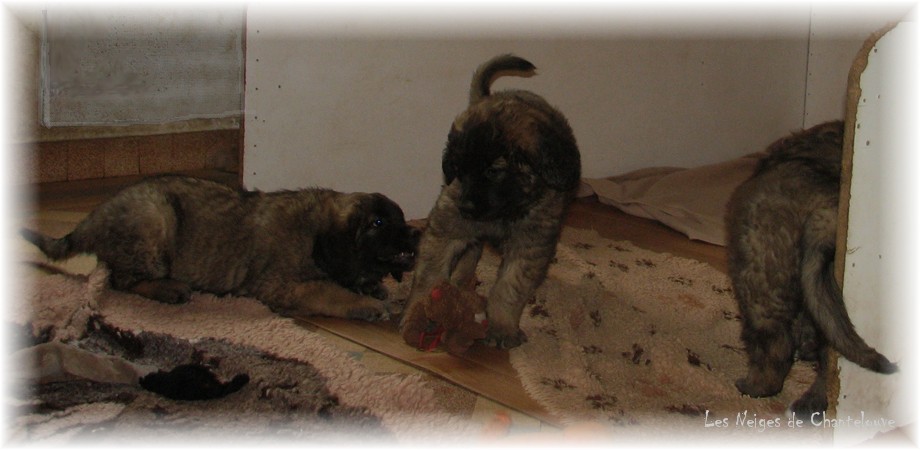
x: 404, y: 259
x: 468, y: 210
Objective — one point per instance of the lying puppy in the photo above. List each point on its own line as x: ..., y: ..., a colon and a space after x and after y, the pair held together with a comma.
x: 307, y: 252
x: 511, y: 168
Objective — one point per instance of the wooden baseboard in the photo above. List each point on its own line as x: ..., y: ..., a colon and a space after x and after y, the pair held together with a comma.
x: 83, y: 159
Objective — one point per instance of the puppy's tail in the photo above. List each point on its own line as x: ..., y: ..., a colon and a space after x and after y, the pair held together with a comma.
x: 824, y: 299
x: 51, y: 247
x: 496, y: 67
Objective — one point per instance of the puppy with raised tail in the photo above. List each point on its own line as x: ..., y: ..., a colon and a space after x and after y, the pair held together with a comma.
x: 511, y: 167
x: 782, y: 240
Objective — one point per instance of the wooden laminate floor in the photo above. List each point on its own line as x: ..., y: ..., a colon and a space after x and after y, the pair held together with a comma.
x: 482, y: 381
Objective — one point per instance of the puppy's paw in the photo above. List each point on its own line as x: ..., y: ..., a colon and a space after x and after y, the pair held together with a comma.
x: 165, y: 291
x: 376, y: 290
x: 505, y: 341
x: 809, y: 403
x: 369, y: 313
x: 395, y: 306
x: 756, y: 390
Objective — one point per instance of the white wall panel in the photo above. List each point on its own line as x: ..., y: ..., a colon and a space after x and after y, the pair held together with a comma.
x: 362, y: 100
x: 880, y: 278
x: 369, y: 110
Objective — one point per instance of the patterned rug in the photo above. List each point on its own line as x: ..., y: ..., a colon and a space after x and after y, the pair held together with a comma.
x: 643, y: 342
x: 82, y: 349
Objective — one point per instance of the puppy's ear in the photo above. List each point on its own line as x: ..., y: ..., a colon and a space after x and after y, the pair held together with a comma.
x: 448, y: 167
x: 336, y: 251
x: 451, y: 156
x: 559, y: 163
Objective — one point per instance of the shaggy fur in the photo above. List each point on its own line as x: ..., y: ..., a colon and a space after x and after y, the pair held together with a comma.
x: 511, y: 166
x: 307, y: 252
x: 782, y: 226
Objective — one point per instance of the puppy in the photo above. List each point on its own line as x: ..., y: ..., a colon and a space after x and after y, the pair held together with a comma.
x: 511, y: 167
x: 782, y: 228
x: 307, y: 252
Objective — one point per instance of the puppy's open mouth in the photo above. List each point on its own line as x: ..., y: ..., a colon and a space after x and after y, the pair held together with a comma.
x: 404, y: 259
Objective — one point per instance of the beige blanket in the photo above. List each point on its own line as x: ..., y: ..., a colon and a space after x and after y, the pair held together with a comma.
x: 691, y: 201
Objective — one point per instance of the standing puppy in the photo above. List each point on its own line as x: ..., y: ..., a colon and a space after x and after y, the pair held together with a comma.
x: 782, y: 228
x: 306, y: 252
x: 511, y: 168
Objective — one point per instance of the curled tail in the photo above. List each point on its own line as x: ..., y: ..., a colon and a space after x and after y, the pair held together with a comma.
x: 493, y: 68
x: 824, y: 299
x: 51, y: 247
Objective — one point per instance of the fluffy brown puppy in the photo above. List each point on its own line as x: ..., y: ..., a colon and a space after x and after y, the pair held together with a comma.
x: 782, y: 227
x: 511, y: 167
x: 307, y: 252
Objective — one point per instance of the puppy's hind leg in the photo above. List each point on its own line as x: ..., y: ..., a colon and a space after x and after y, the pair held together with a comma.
x: 149, y: 281
x: 143, y: 268
x: 770, y: 348
x: 134, y: 234
x: 164, y: 290
x: 815, y: 399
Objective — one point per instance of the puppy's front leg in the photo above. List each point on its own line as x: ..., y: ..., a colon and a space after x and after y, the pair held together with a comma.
x: 319, y: 298
x: 463, y: 271
x: 522, y: 271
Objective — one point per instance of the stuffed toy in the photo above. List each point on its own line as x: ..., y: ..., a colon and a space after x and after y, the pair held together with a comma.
x: 451, y: 316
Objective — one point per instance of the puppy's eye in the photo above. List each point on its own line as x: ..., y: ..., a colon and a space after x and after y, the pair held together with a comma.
x: 494, y: 173
x: 377, y: 222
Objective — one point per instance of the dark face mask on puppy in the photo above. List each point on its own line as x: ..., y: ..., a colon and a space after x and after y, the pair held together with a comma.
x: 496, y: 181
x: 375, y: 243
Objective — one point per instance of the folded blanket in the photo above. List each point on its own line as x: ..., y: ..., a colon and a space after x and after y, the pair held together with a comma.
x: 691, y: 201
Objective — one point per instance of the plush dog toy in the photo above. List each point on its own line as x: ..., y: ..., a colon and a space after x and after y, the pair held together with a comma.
x: 452, y: 316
